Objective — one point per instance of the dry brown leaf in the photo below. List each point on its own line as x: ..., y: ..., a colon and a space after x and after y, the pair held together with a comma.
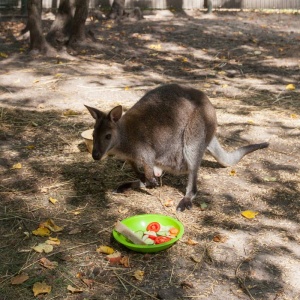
x: 191, y: 242
x: 88, y: 282
x: 75, y: 231
x: 46, y: 263
x: 220, y: 238
x: 169, y: 203
x: 41, y: 288
x: 74, y: 290
x: 105, y: 250
x: 19, y: 279
x: 139, y: 275
x: 125, y: 261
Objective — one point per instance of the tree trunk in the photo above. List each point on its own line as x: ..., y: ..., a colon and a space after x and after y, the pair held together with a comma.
x: 78, y: 24
x: 34, y: 24
x: 117, y: 9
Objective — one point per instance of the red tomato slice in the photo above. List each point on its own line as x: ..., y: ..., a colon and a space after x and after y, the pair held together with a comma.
x: 161, y: 239
x: 154, y: 226
x: 152, y: 237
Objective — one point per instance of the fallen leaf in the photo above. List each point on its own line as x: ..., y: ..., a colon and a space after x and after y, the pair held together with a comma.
x: 197, y: 259
x: 249, y: 214
x: 51, y: 225
x: 294, y: 116
x: 88, y: 282
x: 53, y: 241
x: 270, y: 179
x: 125, y: 261
x: 169, y: 203
x: 75, y: 231
x: 290, y: 87
x: 17, y: 166
x: 46, y: 263
x: 191, y: 242
x: 155, y: 46
x: 186, y: 284
x: 127, y: 88
x: 30, y: 147
x: 70, y: 113
x: 224, y: 86
x: 220, y: 238
x: 41, y: 231
x: 41, y: 288
x: 232, y: 173
x: 4, y: 55
x: 203, y: 206
x: 114, y: 258
x: 105, y: 250
x: 53, y: 200
x: 74, y: 290
x: 139, y: 275
x: 43, y: 247
x: 19, y: 279
x: 123, y: 210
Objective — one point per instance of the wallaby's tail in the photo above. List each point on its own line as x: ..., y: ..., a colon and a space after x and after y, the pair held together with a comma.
x: 228, y: 159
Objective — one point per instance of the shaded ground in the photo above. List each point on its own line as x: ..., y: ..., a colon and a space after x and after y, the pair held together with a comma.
x: 243, y: 61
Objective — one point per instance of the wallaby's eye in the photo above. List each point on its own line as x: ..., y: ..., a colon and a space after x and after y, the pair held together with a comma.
x: 108, y: 136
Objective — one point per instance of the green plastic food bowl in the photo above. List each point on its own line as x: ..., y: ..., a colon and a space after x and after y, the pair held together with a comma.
x: 140, y: 222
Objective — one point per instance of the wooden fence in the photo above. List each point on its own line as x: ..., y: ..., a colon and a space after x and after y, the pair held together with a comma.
x: 165, y: 4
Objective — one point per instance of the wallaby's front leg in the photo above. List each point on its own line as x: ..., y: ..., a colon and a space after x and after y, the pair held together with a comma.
x: 191, y: 192
x: 151, y: 181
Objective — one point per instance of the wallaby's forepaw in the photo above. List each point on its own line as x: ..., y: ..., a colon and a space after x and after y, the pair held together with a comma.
x: 152, y: 183
x: 184, y: 204
x: 128, y: 186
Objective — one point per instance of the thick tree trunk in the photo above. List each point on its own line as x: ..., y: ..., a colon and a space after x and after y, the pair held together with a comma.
x: 117, y: 10
x: 34, y: 24
x: 78, y: 24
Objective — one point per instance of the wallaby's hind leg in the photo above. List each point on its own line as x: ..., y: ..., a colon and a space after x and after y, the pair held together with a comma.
x: 193, y: 153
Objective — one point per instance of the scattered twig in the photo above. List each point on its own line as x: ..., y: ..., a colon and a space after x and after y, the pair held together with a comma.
x: 241, y: 282
x: 134, y: 286
x: 120, y: 280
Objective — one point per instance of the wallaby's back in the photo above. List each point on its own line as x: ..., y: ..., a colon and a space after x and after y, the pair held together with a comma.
x: 163, y: 121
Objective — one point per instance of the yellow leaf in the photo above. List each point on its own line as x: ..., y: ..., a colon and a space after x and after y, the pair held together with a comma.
x: 139, y: 275
x: 294, y: 116
x: 232, y: 173
x: 41, y: 288
x: 70, y: 112
x: 105, y: 250
x: 19, y: 279
x: 249, y: 214
x: 36, y: 81
x: 52, y: 200
x: 74, y: 290
x: 224, y: 86
x: 58, y: 75
x: 41, y: 231
x: 43, y: 247
x: 17, y: 166
x: 53, y: 241
x: 126, y: 88
x: 155, y: 46
x: 184, y: 59
x: 30, y: 147
x: 51, y: 225
x: 4, y: 55
x: 290, y: 87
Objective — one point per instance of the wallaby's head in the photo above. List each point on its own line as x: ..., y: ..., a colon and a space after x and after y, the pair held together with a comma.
x: 105, y: 135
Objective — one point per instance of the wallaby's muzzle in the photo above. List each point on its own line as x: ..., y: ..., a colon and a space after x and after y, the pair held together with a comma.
x: 96, y: 155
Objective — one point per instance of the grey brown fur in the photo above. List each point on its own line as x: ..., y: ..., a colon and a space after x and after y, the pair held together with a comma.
x: 169, y: 128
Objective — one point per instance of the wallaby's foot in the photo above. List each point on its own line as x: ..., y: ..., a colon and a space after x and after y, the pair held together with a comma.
x: 151, y: 183
x: 185, y: 203
x: 128, y: 186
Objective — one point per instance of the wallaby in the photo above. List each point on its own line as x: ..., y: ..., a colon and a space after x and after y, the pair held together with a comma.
x: 169, y: 129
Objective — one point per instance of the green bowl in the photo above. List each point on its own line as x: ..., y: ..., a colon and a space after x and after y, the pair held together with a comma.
x: 140, y: 222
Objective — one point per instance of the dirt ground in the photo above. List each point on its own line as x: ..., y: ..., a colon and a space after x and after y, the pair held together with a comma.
x: 248, y: 64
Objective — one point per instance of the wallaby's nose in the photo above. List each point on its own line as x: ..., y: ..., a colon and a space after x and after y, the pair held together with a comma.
x: 96, y: 155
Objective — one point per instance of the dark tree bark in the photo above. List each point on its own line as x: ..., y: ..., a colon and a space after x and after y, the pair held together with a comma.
x: 78, y: 24
x: 34, y: 25
x: 117, y: 10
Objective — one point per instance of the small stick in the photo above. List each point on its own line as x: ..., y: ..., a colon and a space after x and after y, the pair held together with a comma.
x: 120, y: 280
x: 134, y: 286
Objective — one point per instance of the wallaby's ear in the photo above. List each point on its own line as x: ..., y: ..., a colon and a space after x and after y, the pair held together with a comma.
x: 116, y: 113
x: 96, y: 114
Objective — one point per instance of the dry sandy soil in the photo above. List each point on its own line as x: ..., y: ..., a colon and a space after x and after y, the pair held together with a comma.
x: 244, y: 62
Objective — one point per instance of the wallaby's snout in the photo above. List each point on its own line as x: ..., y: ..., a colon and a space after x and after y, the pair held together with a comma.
x: 96, y: 155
